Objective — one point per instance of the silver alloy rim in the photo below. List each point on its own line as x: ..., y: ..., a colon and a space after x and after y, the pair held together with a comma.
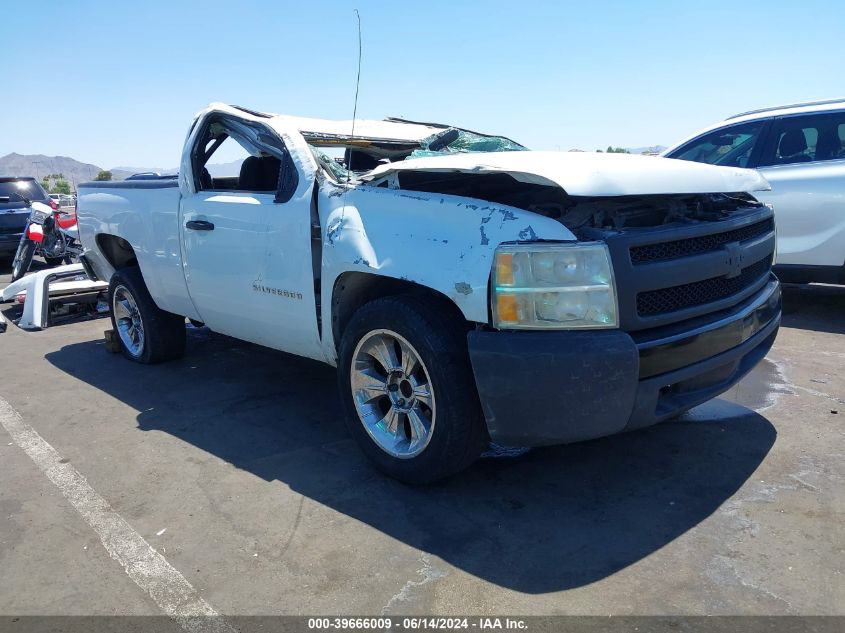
x: 392, y: 392
x: 130, y: 327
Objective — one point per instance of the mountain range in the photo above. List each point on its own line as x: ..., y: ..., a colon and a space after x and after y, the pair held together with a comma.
x: 75, y: 172
x: 39, y: 165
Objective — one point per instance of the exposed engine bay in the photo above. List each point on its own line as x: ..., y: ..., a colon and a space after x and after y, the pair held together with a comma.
x: 576, y: 212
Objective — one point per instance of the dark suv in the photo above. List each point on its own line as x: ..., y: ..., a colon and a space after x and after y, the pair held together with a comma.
x: 14, y: 210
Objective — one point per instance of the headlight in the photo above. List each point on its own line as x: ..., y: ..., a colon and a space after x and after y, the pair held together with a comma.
x: 39, y: 211
x: 554, y: 286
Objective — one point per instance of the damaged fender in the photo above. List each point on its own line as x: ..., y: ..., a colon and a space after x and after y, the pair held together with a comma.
x: 421, y: 238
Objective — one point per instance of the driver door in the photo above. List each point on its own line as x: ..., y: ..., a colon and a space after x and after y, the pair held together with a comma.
x: 246, y: 248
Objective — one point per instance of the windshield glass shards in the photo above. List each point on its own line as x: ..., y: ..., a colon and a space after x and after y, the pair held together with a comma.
x: 346, y: 157
x: 457, y: 141
x: 334, y: 166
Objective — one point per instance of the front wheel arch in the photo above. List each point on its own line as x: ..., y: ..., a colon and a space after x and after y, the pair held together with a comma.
x: 352, y: 290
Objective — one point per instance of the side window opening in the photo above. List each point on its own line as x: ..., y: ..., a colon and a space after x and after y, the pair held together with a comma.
x: 238, y: 156
x: 221, y: 168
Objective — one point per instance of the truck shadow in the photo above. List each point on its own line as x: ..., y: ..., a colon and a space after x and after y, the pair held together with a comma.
x: 814, y: 307
x: 552, y: 519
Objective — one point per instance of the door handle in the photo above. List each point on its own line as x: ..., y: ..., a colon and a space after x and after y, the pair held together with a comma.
x: 199, y: 225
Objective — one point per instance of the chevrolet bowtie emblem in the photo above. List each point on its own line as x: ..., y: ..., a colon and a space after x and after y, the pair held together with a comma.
x: 734, y: 260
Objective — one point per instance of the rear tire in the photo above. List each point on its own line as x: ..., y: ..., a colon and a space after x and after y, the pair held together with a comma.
x: 418, y: 425
x: 23, y: 258
x: 147, y: 334
x: 54, y: 261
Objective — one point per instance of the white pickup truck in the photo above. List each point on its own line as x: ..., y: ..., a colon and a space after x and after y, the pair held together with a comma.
x: 522, y: 297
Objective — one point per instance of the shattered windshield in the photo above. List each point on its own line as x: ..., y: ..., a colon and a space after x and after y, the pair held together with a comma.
x: 334, y: 166
x: 345, y: 161
x: 457, y: 141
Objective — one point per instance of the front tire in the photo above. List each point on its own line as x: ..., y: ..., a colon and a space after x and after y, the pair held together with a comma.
x: 147, y: 334
x: 23, y: 258
x: 408, y: 390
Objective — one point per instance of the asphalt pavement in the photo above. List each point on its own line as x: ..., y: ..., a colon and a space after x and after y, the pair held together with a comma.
x: 234, y: 466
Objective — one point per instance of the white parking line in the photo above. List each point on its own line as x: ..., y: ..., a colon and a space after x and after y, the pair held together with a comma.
x: 149, y: 569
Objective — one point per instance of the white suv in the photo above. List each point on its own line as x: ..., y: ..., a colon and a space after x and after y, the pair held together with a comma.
x: 800, y: 149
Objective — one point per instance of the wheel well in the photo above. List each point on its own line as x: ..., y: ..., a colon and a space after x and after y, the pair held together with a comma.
x: 117, y: 251
x: 352, y: 290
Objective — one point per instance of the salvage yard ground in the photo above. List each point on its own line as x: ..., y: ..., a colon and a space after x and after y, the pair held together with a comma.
x: 234, y: 465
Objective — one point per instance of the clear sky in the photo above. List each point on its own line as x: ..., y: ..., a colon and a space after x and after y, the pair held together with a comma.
x: 116, y: 83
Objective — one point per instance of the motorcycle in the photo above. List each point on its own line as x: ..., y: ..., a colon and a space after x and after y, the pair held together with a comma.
x: 53, y: 234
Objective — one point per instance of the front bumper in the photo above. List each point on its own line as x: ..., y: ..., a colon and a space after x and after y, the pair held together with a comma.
x: 541, y: 388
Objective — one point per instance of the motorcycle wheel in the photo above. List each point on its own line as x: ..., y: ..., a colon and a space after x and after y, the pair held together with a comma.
x: 55, y: 261
x: 23, y: 258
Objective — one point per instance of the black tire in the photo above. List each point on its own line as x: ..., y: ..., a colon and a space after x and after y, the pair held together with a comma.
x: 438, y: 335
x: 164, y: 332
x: 54, y: 261
x: 23, y: 258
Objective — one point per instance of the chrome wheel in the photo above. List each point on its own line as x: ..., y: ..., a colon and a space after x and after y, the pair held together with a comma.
x: 127, y: 318
x: 392, y: 393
